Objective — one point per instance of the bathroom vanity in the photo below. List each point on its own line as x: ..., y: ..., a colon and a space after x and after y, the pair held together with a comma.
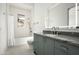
x: 58, y: 42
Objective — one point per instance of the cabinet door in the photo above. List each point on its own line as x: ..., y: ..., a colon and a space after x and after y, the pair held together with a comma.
x: 48, y: 46
x: 61, y: 48
x: 35, y: 43
x: 40, y: 45
x: 73, y: 50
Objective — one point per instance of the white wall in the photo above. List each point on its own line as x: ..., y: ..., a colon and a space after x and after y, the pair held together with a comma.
x: 77, y: 16
x: 3, y: 26
x: 58, y: 16
x: 40, y: 16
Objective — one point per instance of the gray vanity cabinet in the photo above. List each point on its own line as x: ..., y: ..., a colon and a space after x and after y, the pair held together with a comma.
x: 44, y: 45
x: 61, y: 48
x: 48, y: 46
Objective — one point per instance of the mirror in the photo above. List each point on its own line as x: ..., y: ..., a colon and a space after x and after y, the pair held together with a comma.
x: 61, y: 14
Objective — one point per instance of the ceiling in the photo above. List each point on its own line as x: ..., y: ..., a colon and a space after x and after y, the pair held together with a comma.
x: 31, y: 5
x: 23, y: 5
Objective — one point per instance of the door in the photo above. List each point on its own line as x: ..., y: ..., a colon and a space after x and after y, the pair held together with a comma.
x: 10, y: 30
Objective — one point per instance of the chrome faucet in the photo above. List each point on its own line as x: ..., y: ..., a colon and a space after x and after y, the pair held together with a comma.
x: 54, y: 31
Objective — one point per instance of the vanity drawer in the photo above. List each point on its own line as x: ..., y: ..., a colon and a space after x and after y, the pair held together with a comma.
x: 61, y: 48
x: 73, y: 50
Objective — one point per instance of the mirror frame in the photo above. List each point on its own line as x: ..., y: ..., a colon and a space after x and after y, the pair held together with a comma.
x: 68, y: 13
